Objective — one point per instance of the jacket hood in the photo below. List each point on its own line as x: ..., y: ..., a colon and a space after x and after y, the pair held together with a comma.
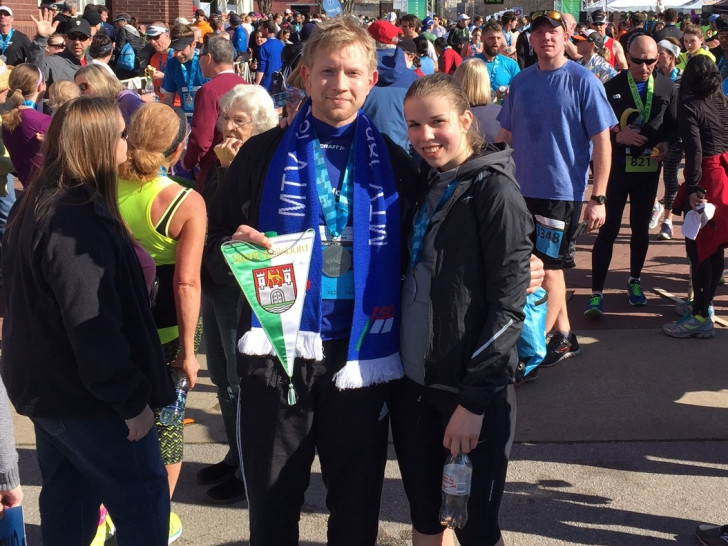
x: 496, y: 156
x: 392, y: 68
x: 132, y: 30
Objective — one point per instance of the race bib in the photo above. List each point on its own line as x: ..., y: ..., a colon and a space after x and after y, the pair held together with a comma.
x: 549, y: 234
x: 641, y: 164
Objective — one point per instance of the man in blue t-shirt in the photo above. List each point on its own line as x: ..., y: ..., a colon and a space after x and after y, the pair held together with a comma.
x: 501, y: 69
x: 269, y: 56
x: 555, y: 114
x: 182, y: 74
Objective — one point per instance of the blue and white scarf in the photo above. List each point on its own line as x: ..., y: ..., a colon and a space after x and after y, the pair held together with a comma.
x: 290, y: 204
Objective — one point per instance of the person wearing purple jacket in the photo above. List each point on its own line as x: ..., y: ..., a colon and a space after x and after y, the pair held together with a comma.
x: 23, y: 126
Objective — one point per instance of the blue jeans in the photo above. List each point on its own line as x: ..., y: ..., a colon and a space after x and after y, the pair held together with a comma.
x: 85, y: 463
x: 219, y: 323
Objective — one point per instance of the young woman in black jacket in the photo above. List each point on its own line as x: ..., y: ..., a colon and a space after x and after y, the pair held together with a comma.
x: 462, y: 312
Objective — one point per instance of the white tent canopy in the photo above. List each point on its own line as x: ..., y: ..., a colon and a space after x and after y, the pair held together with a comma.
x: 644, y: 5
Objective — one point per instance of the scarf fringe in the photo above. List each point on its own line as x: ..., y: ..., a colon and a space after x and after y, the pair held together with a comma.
x: 255, y: 342
x: 362, y: 373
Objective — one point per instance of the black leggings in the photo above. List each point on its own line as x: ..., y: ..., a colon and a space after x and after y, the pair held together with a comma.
x: 641, y: 188
x: 706, y: 276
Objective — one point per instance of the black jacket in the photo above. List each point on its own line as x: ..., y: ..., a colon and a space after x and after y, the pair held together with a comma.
x: 662, y: 123
x: 479, y: 280
x: 237, y: 201
x: 79, y: 341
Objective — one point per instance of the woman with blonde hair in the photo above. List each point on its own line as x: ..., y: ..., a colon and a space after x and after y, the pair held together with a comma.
x: 94, y: 80
x: 169, y: 222
x: 475, y: 82
x: 245, y: 111
x: 23, y: 126
x: 80, y: 355
x: 60, y: 92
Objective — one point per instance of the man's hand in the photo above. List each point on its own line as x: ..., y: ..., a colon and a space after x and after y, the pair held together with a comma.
x: 594, y: 215
x: 463, y: 431
x: 44, y: 25
x: 140, y: 425
x: 537, y: 274
x: 661, y: 154
x: 251, y: 235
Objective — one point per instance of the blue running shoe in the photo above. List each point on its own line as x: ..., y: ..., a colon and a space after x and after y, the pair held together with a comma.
x: 635, y: 293
x: 594, y: 307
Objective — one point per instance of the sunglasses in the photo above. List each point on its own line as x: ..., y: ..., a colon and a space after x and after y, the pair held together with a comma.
x: 600, y: 24
x: 124, y: 134
x: 551, y: 14
x: 83, y: 86
x: 58, y: 46
x: 77, y: 37
x: 643, y: 61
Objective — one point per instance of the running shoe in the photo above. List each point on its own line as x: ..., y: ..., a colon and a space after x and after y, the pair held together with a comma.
x: 175, y: 527
x: 683, y: 308
x: 712, y: 535
x: 690, y: 326
x: 665, y: 232
x: 521, y: 377
x: 594, y: 307
x: 635, y: 293
x: 656, y: 213
x: 560, y: 348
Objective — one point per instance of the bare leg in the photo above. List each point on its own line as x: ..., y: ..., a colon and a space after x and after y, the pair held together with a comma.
x: 173, y: 471
x: 443, y: 539
x: 557, y: 317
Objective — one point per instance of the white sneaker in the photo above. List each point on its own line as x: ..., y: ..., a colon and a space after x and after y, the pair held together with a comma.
x: 656, y: 213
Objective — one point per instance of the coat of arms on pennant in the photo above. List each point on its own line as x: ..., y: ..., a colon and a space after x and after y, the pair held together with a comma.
x: 275, y: 287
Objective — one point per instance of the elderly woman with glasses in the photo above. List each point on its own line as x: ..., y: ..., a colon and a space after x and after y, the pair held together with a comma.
x: 245, y: 111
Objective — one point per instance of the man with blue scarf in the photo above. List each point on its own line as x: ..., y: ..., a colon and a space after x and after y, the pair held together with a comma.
x: 331, y: 171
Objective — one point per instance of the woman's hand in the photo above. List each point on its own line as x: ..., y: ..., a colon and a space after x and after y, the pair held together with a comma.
x: 227, y: 150
x: 463, y: 431
x: 140, y: 425
x: 696, y: 199
x: 248, y: 234
x: 190, y: 365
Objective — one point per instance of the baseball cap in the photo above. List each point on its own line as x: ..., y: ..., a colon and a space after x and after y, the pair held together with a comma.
x: 384, y: 32
x: 463, y: 17
x: 235, y: 19
x: 598, y: 16
x: 427, y: 22
x: 553, y: 17
x: 6, y: 10
x: 80, y: 25
x: 408, y: 45
x: 156, y: 30
x: 123, y: 17
x: 589, y: 35
x: 181, y: 43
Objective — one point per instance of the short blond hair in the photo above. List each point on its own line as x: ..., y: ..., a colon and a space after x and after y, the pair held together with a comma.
x: 102, y: 83
x: 60, y: 93
x: 340, y: 33
x: 475, y: 81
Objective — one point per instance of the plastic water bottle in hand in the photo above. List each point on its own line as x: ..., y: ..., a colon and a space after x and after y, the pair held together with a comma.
x: 456, y: 476
x: 173, y: 414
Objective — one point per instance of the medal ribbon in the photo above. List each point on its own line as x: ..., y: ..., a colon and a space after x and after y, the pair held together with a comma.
x: 5, y: 42
x: 492, y: 72
x: 190, y: 77
x: 422, y: 223
x: 647, y: 106
x: 335, y: 211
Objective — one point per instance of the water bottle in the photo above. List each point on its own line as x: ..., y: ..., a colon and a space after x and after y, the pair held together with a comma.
x: 456, y: 476
x: 172, y: 414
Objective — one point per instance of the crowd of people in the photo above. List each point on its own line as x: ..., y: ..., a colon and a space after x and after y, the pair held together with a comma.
x: 410, y: 134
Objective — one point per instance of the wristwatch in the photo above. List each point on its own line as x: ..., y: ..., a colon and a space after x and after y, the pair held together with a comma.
x: 601, y: 199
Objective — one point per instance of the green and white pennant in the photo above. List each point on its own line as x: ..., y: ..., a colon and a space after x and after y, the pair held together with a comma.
x: 274, y: 283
